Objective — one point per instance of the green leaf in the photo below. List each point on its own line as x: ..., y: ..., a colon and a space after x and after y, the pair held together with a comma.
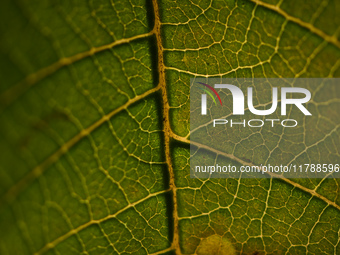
x: 94, y: 109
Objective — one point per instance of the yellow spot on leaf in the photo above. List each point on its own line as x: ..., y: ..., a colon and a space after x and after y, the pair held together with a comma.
x: 215, y: 245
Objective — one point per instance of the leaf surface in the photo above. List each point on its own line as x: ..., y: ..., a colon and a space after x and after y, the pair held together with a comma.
x: 94, y: 105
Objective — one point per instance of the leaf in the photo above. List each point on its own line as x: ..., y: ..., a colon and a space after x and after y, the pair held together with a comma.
x: 95, y: 126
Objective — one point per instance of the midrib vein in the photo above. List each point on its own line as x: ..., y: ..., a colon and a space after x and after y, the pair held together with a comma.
x: 12, y: 193
x: 166, y: 125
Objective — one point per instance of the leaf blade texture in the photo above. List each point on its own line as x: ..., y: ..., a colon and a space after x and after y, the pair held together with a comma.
x: 95, y: 127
